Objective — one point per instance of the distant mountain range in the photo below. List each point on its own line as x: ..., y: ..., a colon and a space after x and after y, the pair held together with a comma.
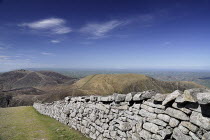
x: 24, y: 78
x: 23, y: 87
x: 200, y: 77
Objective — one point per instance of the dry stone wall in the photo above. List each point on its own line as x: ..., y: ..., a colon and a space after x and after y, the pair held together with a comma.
x: 136, y: 116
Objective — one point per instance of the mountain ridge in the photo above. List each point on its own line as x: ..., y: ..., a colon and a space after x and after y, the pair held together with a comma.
x: 22, y: 87
x: 25, y: 78
x: 124, y: 83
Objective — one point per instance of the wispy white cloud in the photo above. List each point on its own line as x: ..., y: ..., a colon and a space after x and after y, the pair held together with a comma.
x: 62, y: 30
x: 55, y: 41
x: 53, y: 25
x: 47, y: 53
x: 45, y: 23
x: 99, y: 30
x: 3, y: 57
x: 6, y: 58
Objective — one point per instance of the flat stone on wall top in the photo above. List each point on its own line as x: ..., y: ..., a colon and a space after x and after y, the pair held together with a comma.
x: 136, y: 115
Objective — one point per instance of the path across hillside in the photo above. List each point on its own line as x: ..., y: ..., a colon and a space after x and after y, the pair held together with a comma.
x: 24, y: 123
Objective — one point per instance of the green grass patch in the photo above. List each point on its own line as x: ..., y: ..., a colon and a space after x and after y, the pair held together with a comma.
x: 25, y: 123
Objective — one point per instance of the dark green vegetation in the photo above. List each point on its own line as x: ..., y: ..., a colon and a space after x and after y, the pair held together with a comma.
x: 24, y: 123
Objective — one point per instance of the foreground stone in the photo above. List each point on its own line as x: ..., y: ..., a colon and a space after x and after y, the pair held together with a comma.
x: 177, y: 114
x: 171, y: 97
x: 206, y: 136
x: 178, y: 135
x: 160, y: 97
x: 145, y: 135
x: 202, y: 96
x: 135, y: 116
x: 151, y: 127
x: 199, y: 120
x: 190, y: 126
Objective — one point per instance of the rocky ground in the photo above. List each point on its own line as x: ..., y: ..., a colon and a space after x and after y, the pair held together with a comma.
x: 137, y: 115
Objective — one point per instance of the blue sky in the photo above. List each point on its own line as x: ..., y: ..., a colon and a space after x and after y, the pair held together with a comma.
x: 135, y: 34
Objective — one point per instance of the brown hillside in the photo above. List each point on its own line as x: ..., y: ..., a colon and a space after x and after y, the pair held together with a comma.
x: 24, y: 78
x: 124, y: 83
x: 23, y: 87
x: 26, y: 87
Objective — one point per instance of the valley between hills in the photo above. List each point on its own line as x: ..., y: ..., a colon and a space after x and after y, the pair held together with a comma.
x: 24, y: 87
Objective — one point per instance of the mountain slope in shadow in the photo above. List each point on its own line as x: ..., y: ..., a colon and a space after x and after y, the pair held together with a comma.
x: 24, y: 78
x: 21, y: 88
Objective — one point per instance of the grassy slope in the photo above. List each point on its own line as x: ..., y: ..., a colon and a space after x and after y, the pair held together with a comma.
x: 24, y: 123
x: 108, y: 83
x: 105, y: 84
x: 124, y: 83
